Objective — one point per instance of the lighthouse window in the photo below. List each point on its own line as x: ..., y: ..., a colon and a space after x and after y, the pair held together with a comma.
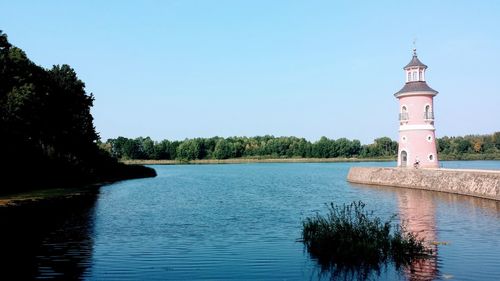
x: 431, y: 157
x: 420, y: 75
x: 429, y: 138
x: 414, y: 75
x: 428, y: 113
x: 409, y: 76
x: 404, y: 114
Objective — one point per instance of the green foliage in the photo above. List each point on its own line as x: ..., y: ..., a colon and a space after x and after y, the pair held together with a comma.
x: 189, y: 150
x: 234, y: 147
x: 381, y: 147
x: 4, y: 43
x: 223, y: 149
x: 468, y: 147
x: 350, y: 238
x: 495, y: 140
x: 46, y: 125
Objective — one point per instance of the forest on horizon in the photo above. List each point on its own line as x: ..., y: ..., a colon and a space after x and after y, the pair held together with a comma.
x: 470, y: 147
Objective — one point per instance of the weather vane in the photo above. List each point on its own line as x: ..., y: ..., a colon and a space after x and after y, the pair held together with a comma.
x: 415, y: 45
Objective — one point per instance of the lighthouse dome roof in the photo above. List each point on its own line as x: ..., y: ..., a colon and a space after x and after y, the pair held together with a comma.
x: 415, y: 86
x: 415, y: 62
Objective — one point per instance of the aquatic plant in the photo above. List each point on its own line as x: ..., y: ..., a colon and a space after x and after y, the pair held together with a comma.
x: 350, y: 240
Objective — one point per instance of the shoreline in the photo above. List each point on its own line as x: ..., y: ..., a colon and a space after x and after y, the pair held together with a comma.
x: 13, y: 199
x: 253, y: 160
x: 270, y: 160
x: 21, y: 188
x: 20, y: 198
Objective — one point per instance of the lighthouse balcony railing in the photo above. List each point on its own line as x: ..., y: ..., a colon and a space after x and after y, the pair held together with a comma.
x: 403, y: 116
x: 429, y: 115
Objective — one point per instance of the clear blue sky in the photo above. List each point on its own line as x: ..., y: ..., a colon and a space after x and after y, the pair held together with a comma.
x: 183, y: 69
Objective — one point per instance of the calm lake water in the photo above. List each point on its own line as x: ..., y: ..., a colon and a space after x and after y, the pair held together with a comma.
x: 240, y: 222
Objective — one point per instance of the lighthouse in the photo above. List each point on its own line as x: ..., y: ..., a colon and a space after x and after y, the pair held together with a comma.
x: 417, y: 140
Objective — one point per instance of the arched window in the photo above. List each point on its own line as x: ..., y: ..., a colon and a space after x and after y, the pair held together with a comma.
x: 420, y: 77
x: 404, y: 113
x: 414, y: 76
x: 409, y: 76
x: 428, y: 112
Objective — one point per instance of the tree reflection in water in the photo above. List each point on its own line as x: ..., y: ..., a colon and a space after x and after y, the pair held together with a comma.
x: 47, y: 239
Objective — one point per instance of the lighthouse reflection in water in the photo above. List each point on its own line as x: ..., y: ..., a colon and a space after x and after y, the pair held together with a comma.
x: 417, y: 212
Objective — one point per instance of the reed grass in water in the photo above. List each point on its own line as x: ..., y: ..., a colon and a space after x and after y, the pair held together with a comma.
x: 349, y: 236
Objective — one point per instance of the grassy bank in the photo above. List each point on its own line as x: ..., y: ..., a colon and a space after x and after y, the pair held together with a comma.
x: 442, y: 157
x: 33, y: 196
x: 254, y: 160
x: 469, y: 156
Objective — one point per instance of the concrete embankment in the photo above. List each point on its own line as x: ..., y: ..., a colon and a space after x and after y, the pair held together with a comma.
x: 479, y: 183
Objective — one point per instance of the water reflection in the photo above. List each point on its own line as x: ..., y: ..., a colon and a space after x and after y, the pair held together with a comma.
x: 51, y: 239
x: 417, y: 211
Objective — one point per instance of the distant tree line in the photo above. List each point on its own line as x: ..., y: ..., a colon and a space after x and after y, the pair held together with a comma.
x: 236, y: 147
x: 287, y: 147
x: 47, y: 132
x: 470, y: 146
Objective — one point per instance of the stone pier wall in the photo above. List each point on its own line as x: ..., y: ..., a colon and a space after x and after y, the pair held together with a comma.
x: 479, y: 183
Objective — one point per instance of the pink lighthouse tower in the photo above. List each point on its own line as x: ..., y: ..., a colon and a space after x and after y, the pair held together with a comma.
x: 417, y: 141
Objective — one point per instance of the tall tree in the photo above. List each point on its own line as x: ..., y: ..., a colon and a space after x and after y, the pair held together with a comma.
x: 45, y: 118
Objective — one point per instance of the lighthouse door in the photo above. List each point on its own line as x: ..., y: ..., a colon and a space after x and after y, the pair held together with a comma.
x: 404, y: 158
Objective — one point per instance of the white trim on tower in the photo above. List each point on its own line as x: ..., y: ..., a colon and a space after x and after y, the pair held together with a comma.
x: 416, y: 127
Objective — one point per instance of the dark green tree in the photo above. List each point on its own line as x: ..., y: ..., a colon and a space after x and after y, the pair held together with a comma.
x: 223, y: 149
x: 496, y: 140
x: 189, y: 150
x: 45, y: 119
